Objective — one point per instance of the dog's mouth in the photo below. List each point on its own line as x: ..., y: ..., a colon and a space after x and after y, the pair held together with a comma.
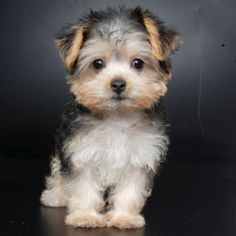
x: 118, y: 98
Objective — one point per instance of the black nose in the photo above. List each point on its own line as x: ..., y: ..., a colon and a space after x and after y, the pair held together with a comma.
x: 118, y: 85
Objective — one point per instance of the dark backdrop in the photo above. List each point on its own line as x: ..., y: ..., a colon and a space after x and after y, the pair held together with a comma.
x: 201, y: 98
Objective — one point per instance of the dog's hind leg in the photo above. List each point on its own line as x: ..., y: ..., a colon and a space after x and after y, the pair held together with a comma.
x: 53, y: 195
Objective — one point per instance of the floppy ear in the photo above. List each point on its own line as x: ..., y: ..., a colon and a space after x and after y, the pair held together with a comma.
x: 69, y: 42
x: 163, y: 40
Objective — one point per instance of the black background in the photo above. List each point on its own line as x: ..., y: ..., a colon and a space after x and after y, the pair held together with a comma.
x: 200, y: 102
x: 201, y: 97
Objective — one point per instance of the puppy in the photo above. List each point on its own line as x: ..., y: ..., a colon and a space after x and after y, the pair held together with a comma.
x: 112, y: 139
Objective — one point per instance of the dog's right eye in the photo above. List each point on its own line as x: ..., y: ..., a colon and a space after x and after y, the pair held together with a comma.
x: 98, y: 64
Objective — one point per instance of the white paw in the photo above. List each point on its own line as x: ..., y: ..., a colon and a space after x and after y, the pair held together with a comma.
x: 125, y: 220
x: 85, y: 219
x: 53, y: 198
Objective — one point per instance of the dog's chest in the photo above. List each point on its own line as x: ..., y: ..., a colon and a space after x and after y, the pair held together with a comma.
x: 117, y: 135
x: 118, y: 142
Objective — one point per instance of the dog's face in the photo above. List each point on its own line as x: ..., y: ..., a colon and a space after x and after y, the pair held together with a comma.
x: 117, y: 59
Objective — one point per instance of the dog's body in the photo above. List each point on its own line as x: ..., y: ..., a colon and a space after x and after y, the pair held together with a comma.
x: 113, y: 138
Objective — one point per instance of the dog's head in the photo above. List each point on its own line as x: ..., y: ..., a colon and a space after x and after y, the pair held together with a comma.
x: 117, y: 59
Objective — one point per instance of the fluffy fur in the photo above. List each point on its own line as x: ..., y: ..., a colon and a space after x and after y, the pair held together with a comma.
x: 110, y: 145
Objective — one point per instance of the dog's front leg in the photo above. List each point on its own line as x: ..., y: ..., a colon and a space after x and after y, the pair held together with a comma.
x: 85, y: 201
x: 128, y: 199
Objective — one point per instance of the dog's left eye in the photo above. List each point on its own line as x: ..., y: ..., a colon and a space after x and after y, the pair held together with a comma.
x: 99, y: 64
x: 137, y: 63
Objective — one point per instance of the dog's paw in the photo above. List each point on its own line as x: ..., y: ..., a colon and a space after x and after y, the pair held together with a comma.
x: 53, y: 198
x: 85, y: 220
x: 125, y: 221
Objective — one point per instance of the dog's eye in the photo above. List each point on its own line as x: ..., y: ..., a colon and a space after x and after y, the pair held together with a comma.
x: 99, y: 64
x: 137, y: 63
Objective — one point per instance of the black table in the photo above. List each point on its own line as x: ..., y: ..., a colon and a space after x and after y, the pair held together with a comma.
x: 190, y: 197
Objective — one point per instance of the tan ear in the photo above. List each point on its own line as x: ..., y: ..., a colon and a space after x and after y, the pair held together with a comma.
x: 163, y: 41
x: 69, y: 42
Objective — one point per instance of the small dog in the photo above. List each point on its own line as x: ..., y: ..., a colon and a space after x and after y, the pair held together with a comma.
x: 113, y: 138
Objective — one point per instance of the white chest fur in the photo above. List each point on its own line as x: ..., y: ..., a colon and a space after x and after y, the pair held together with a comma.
x: 118, y: 142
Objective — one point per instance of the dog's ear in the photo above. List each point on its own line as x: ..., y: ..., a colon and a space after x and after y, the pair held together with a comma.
x: 163, y: 40
x: 69, y: 42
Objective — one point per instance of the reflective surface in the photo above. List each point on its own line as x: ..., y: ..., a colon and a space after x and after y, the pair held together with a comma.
x: 189, y: 198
